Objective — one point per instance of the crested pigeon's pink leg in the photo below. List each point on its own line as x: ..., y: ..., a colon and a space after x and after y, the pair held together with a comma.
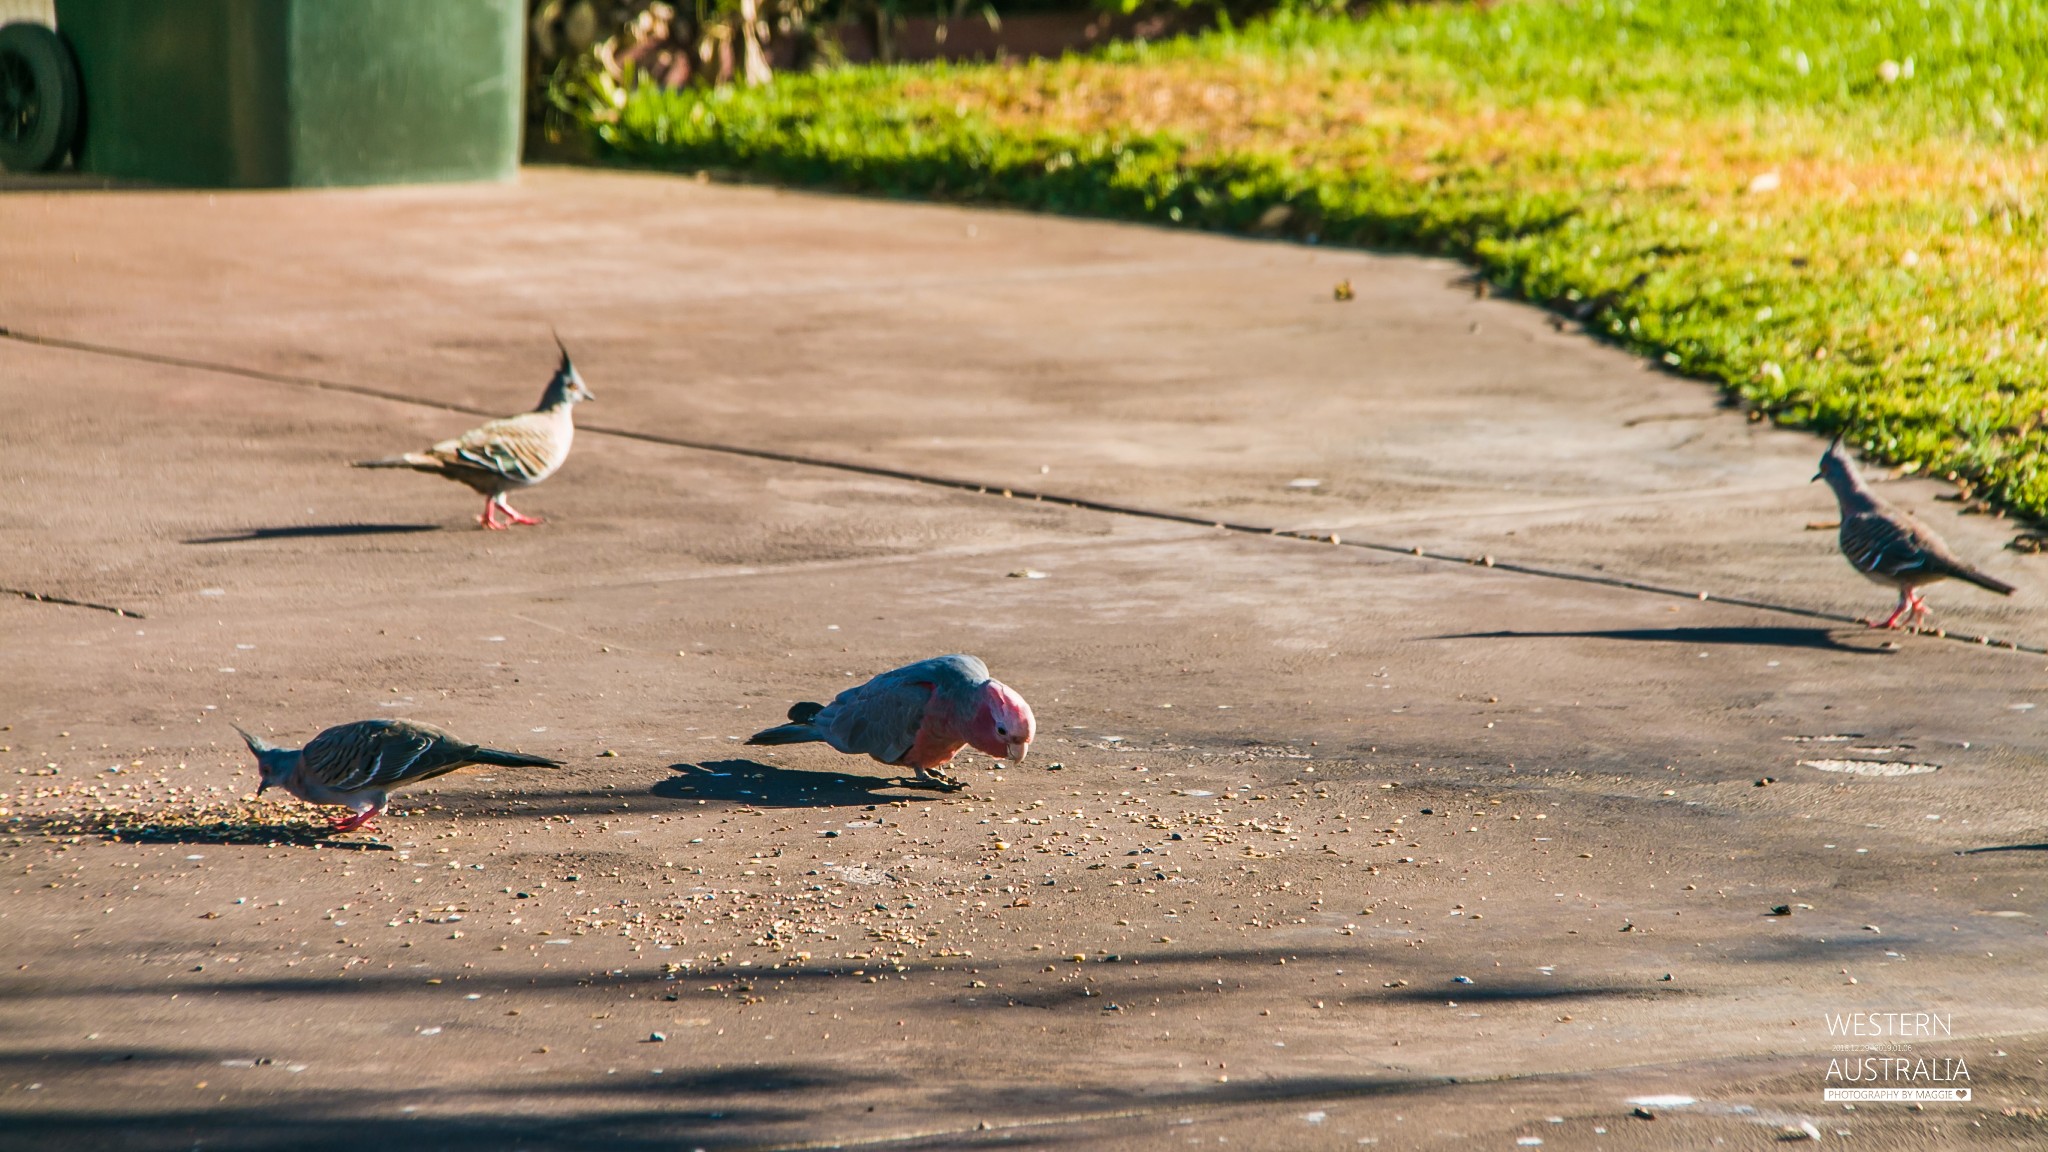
x: 1905, y: 604
x: 1919, y: 608
x: 514, y: 513
x: 358, y: 820
x: 490, y: 517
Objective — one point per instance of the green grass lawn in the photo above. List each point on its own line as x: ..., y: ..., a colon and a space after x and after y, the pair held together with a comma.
x: 1831, y: 208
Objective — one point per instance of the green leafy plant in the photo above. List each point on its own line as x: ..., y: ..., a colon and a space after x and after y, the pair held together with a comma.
x: 588, y: 54
x: 1829, y: 207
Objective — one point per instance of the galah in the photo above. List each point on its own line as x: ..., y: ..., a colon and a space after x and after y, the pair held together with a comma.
x: 358, y: 764
x: 504, y: 455
x: 1888, y: 546
x: 917, y: 717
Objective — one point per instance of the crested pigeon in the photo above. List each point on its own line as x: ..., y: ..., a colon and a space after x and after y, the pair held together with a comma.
x: 1888, y: 546
x: 917, y: 717
x: 356, y: 765
x: 515, y: 452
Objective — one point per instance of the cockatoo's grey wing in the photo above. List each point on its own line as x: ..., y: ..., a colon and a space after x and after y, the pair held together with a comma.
x: 955, y: 675
x: 879, y: 718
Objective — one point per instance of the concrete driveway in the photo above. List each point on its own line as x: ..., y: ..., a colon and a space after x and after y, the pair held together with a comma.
x: 1464, y: 831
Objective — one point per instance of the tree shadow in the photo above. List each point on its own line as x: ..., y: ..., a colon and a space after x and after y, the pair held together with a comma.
x: 765, y: 785
x: 678, y: 1108
x: 314, y: 532
x: 1164, y: 971
x: 26, y: 1065
x: 1836, y: 945
x: 1062, y: 995
x: 1526, y: 992
x: 1817, y: 639
x: 772, y: 1106
x: 652, y: 1127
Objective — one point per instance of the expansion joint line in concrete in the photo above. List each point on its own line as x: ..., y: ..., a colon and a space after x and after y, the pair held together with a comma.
x: 46, y: 598
x: 1053, y: 498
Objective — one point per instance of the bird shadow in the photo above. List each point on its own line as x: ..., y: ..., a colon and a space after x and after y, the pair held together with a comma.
x: 273, y: 835
x: 1818, y: 639
x: 283, y: 835
x: 765, y: 785
x: 314, y: 532
x: 135, y: 828
x: 2002, y: 848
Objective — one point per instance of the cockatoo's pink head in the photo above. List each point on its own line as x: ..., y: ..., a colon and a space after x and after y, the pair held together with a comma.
x: 1003, y: 726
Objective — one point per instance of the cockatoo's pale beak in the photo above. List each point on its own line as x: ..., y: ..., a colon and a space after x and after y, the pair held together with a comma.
x: 1017, y: 750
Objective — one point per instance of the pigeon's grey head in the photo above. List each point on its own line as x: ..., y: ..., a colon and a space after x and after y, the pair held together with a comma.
x: 567, y: 386
x: 1836, y: 467
x: 273, y: 764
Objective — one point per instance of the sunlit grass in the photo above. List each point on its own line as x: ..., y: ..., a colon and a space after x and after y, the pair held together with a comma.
x: 1829, y: 207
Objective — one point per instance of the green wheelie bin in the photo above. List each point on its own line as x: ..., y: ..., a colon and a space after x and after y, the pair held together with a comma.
x: 290, y: 93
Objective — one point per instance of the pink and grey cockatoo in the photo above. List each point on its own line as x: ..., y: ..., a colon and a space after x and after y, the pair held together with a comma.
x: 917, y: 717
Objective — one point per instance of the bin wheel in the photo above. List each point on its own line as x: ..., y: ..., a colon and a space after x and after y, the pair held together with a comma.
x: 39, y: 98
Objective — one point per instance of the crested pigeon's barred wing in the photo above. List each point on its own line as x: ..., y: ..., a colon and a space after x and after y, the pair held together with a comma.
x: 1886, y: 543
x: 382, y: 754
x: 1882, y: 543
x: 523, y: 449
x: 515, y: 452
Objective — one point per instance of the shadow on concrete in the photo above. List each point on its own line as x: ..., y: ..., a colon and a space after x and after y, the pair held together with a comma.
x: 765, y: 785
x: 30, y: 1065
x: 256, y: 1129
x: 141, y: 828
x: 1800, y: 946
x: 314, y: 532
x: 30, y: 987
x: 524, y: 805
x: 1819, y: 639
x: 727, y: 781
x: 1157, y: 973
x: 785, y: 1105
x: 2003, y: 848
x: 680, y: 1109
x: 1140, y: 989
x: 262, y: 835
x: 1525, y: 992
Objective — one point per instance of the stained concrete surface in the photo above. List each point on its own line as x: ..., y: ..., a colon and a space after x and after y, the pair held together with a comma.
x: 1247, y: 729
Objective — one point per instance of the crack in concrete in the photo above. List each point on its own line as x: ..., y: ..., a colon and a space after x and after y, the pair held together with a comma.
x: 46, y: 598
x: 983, y: 488
x: 1558, y: 507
